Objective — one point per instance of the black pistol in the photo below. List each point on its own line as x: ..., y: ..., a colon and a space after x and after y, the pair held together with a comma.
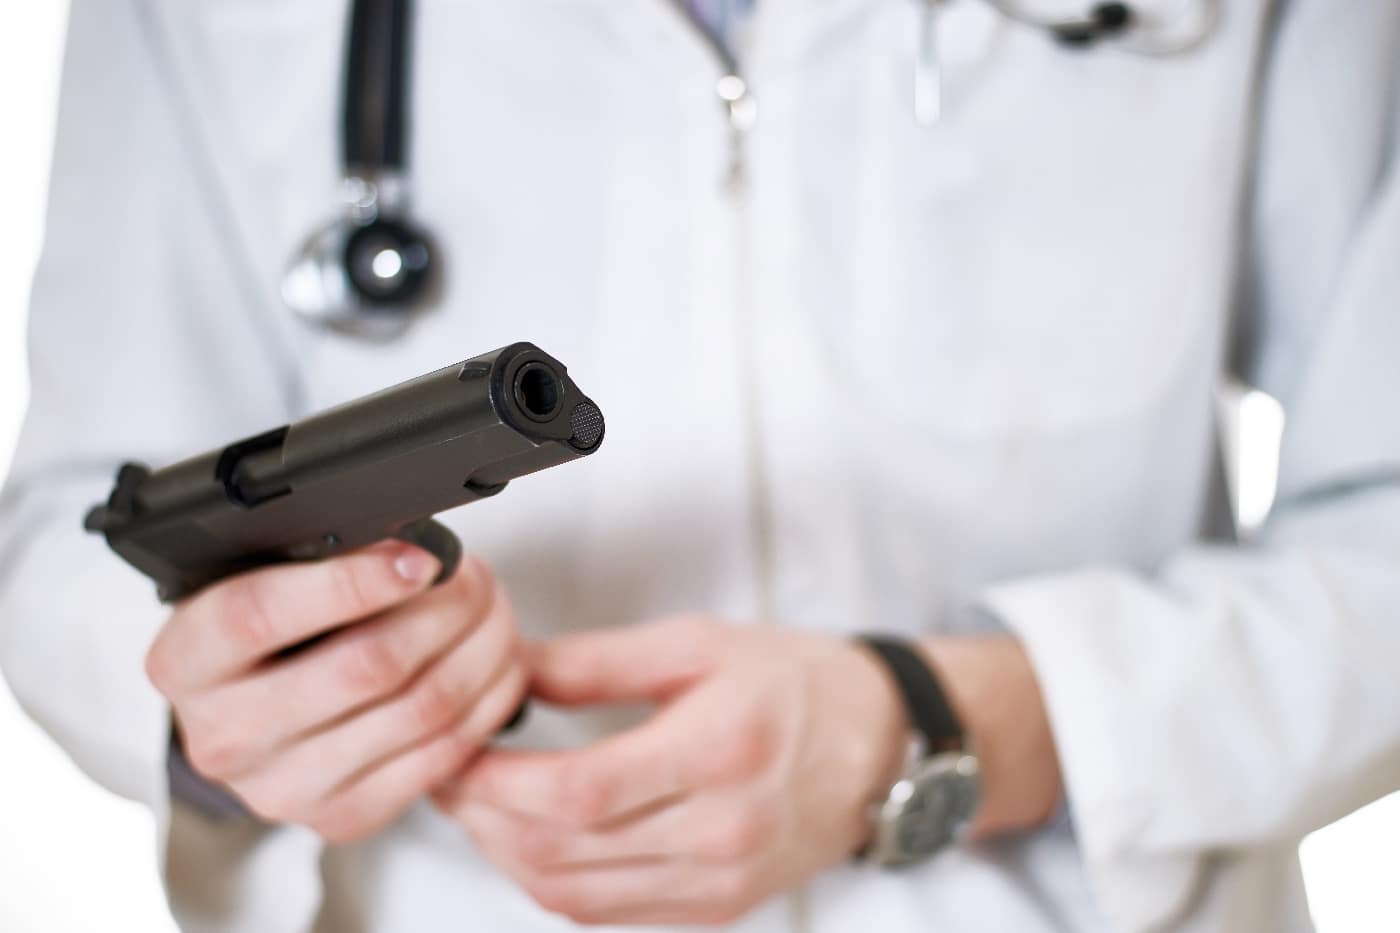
x: 375, y: 468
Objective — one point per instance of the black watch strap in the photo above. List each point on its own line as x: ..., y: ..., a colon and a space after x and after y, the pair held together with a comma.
x: 929, y: 709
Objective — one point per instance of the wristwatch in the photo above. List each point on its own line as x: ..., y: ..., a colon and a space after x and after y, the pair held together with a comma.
x: 932, y: 803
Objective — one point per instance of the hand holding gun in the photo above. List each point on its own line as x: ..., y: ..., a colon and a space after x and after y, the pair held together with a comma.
x: 277, y: 697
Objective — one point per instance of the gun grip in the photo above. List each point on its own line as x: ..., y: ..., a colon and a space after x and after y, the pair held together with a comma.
x: 437, y: 539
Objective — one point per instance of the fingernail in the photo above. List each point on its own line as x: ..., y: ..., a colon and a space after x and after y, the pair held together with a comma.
x: 416, y: 566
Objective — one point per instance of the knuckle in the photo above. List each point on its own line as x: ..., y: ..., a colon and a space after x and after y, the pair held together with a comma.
x: 538, y: 846
x: 491, y: 710
x: 497, y: 651
x: 702, y: 634
x: 371, y: 666
x: 557, y: 896
x: 159, y: 668
x: 582, y: 798
x: 246, y: 616
x: 744, y: 751
x: 338, y: 824
x: 437, y: 760
x: 506, y: 697
x: 692, y: 628
x: 732, y: 893
x: 484, y: 829
x: 482, y: 593
x: 444, y: 756
x: 477, y: 576
x: 432, y: 704
x: 213, y: 752
x: 465, y: 621
x: 737, y: 836
x: 337, y: 831
x: 465, y: 582
x: 271, y: 805
x: 263, y: 812
x: 352, y: 593
x: 497, y: 622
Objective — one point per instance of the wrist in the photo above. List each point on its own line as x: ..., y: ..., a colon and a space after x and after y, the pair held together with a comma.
x: 992, y: 688
x: 887, y: 736
x: 931, y: 804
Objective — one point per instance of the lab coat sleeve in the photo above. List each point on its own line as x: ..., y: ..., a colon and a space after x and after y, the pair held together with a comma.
x: 1240, y: 697
x: 146, y: 342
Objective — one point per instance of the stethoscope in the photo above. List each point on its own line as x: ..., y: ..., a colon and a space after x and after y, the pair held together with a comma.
x: 1130, y: 30
x: 1176, y: 33
x: 367, y: 270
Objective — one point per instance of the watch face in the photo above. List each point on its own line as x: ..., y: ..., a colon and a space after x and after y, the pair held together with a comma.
x: 934, y: 804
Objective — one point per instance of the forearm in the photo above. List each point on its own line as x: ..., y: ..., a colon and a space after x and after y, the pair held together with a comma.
x: 1237, y: 698
x: 73, y: 627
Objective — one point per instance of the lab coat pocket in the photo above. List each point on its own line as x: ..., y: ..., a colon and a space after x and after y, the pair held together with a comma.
x: 1046, y: 259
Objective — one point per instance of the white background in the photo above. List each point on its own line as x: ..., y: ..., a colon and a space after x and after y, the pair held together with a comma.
x: 75, y: 858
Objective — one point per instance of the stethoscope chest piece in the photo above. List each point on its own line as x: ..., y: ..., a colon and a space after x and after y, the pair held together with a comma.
x: 388, y: 263
x: 363, y: 276
x: 366, y: 271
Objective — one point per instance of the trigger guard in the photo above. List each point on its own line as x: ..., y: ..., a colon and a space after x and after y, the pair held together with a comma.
x: 437, y: 539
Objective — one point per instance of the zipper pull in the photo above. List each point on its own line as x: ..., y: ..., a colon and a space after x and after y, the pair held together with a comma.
x: 928, y: 68
x: 741, y: 108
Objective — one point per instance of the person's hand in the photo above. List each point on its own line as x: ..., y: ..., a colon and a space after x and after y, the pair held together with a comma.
x: 758, y: 770
x: 755, y: 773
x: 342, y: 734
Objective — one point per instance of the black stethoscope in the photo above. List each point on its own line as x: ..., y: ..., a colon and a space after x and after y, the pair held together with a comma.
x: 367, y: 270
x: 1130, y: 29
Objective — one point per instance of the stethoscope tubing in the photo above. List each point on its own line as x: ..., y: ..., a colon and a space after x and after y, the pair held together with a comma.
x: 375, y: 104
x: 374, y: 134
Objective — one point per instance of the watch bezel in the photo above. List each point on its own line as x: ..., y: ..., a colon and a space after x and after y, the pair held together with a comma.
x: 960, y: 765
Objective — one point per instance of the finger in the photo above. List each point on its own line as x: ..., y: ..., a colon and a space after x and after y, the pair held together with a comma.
x: 576, y: 787
x: 665, y: 913
x: 639, y: 662
x: 445, y: 693
x: 375, y: 799
x: 235, y: 726
x: 661, y: 891
x: 703, y: 828
x: 682, y: 748
x: 369, y: 800
x: 230, y: 626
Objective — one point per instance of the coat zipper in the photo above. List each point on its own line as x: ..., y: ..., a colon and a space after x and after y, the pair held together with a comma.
x: 732, y: 89
x: 741, y: 113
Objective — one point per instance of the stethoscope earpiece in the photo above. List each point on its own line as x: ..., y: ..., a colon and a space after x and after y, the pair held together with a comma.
x: 1135, y: 34
x: 1105, y: 19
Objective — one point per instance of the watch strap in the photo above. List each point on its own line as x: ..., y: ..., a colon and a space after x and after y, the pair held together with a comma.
x: 924, y: 699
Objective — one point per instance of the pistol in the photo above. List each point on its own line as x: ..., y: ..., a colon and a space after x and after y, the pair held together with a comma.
x: 378, y: 467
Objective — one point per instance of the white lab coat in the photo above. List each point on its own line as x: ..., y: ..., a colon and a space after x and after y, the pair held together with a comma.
x: 912, y: 377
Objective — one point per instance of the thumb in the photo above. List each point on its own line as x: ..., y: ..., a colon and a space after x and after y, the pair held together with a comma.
x: 651, y: 661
